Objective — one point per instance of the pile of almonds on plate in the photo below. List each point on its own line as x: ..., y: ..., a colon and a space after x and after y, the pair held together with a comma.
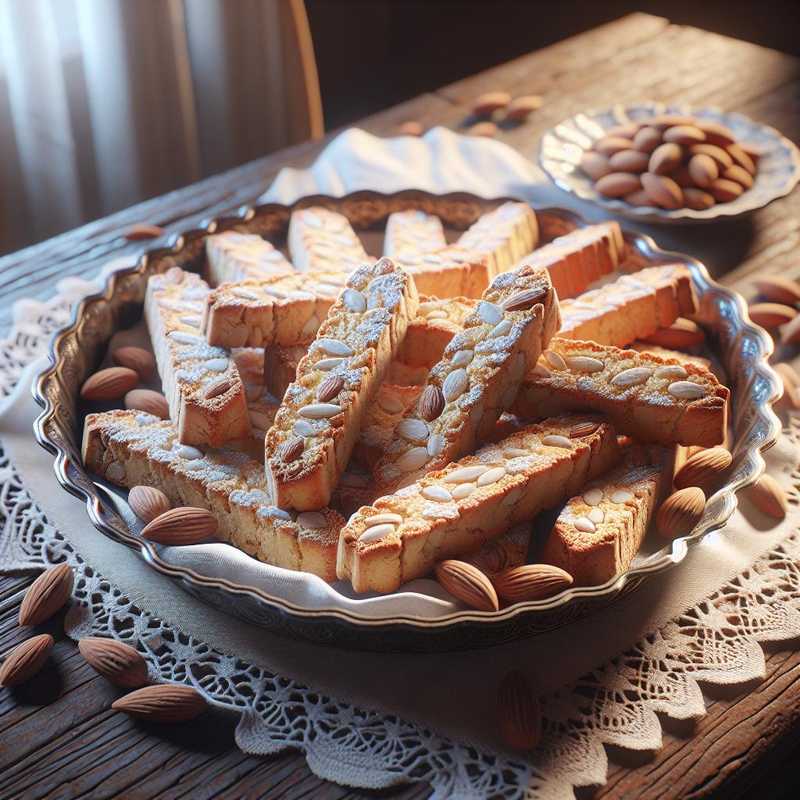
x: 671, y: 162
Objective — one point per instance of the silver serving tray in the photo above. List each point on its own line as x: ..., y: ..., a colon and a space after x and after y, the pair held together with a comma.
x: 222, y: 576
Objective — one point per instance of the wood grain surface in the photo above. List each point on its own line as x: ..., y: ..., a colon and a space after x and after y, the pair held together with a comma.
x: 58, y: 736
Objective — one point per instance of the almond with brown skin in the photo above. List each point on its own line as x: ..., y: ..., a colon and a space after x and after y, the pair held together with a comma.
x: 629, y: 161
x: 523, y: 300
x: 768, y: 497
x: 594, y: 165
x: 530, y: 582
x: 771, y: 315
x: 609, y: 145
x: 165, y: 702
x: 148, y: 400
x: 719, y: 155
x: 664, y: 159
x: 705, y: 469
x: 143, y: 231
x: 739, y: 175
x: 25, y: 660
x: 330, y: 388
x: 520, y: 718
x: 662, y: 190
x: 618, y: 184
x: 217, y: 389
x: 109, y: 384
x: 716, y: 133
x: 684, y: 134
x: 680, y: 512
x: 292, y: 449
x: 136, y: 358
x: 583, y: 429
x: 520, y: 108
x: 647, y: 139
x: 741, y: 158
x: 681, y: 335
x: 117, y: 662
x: 697, y: 199
x: 183, y: 525
x: 778, y: 289
x: 468, y: 584
x: 48, y: 594
x: 147, y: 502
x: 431, y: 404
x: 489, y: 102
x: 724, y: 190
x: 703, y: 169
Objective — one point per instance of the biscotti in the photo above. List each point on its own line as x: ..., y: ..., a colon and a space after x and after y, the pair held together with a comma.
x: 630, y: 307
x: 437, y: 321
x: 282, y: 309
x: 131, y: 448
x: 504, y: 235
x: 453, y: 512
x: 280, y: 366
x: 412, y: 233
x: 234, y: 256
x: 318, y: 423
x: 452, y: 271
x: 600, y: 530
x: 655, y: 400
x: 390, y: 405
x: 324, y: 241
x: 477, y: 379
x: 201, y: 383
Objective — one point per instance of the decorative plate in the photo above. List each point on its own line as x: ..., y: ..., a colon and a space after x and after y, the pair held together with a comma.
x: 561, y: 148
x: 421, y: 616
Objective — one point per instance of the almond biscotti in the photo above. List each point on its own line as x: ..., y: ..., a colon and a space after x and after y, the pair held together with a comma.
x: 234, y: 256
x: 411, y: 233
x: 131, y: 448
x: 653, y: 399
x: 280, y: 366
x: 477, y: 379
x: 282, y: 309
x: 452, y: 271
x: 504, y: 235
x: 318, y: 423
x: 437, y: 321
x: 392, y: 402
x: 631, y: 307
x: 206, y: 396
x: 453, y: 512
x: 323, y: 241
x: 600, y: 530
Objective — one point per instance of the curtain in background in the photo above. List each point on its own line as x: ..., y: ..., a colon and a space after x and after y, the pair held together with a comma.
x: 106, y: 102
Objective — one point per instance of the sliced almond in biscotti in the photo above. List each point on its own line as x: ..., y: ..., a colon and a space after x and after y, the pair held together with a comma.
x: 703, y: 169
x: 647, y: 139
x: 771, y: 315
x: 136, y: 358
x: 595, y: 165
x: 109, y: 384
x: 618, y: 184
x: 705, y: 469
x: 148, y: 400
x: 46, y: 595
x: 697, y: 199
x: 468, y: 584
x: 778, y: 289
x: 768, y: 497
x: 725, y: 190
x: 665, y: 158
x: 662, y: 190
x: 682, y: 334
x: 629, y: 161
x: 680, y: 512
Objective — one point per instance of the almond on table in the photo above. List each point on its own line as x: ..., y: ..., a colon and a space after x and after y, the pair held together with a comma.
x: 317, y: 425
x: 453, y: 512
x: 130, y: 448
x: 655, y: 400
x: 324, y: 241
x: 476, y: 380
x: 234, y: 256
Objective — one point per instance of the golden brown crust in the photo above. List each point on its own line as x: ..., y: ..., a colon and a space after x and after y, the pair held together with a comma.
x: 321, y: 240
x: 412, y: 233
x: 232, y: 256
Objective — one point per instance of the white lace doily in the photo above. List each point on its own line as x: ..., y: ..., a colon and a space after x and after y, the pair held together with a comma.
x: 718, y: 641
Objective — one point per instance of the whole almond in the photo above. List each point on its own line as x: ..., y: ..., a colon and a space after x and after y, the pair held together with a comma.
x: 411, y: 128
x: 182, y: 525
x: 25, y: 660
x: 705, y: 469
x: 468, y: 584
x: 136, y: 358
x: 697, y: 199
x: 46, y: 595
x: 143, y: 231
x: 629, y: 161
x: 662, y: 190
x: 768, y: 497
x: 530, y: 582
x: 164, y: 702
x: 703, y: 169
x: 647, y: 139
x: 739, y: 175
x: 771, y: 315
x: 682, y: 334
x: 664, y: 159
x: 489, y: 102
x: 639, y: 198
x: 109, y: 384
x: 724, y: 190
x: 594, y: 164
x: 722, y: 157
x: 485, y: 129
x: 149, y: 401
x: 330, y: 388
x: 682, y: 177
x: 431, y: 404
x: 680, y: 512
x: 664, y: 121
x: 521, y: 301
x: 520, y: 718
x: 292, y: 449
x: 117, y: 662
x: 618, y: 184
x: 684, y: 134
x: 520, y: 108
x: 625, y: 131
x: 148, y: 502
x: 741, y: 158
x: 716, y: 133
x: 778, y: 289
x: 582, y: 429
x: 217, y: 389
x: 609, y: 145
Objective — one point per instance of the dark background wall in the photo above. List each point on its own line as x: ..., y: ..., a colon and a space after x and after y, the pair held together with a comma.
x: 372, y: 54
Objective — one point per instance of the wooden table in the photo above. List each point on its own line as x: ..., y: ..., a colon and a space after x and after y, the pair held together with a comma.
x: 72, y: 744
